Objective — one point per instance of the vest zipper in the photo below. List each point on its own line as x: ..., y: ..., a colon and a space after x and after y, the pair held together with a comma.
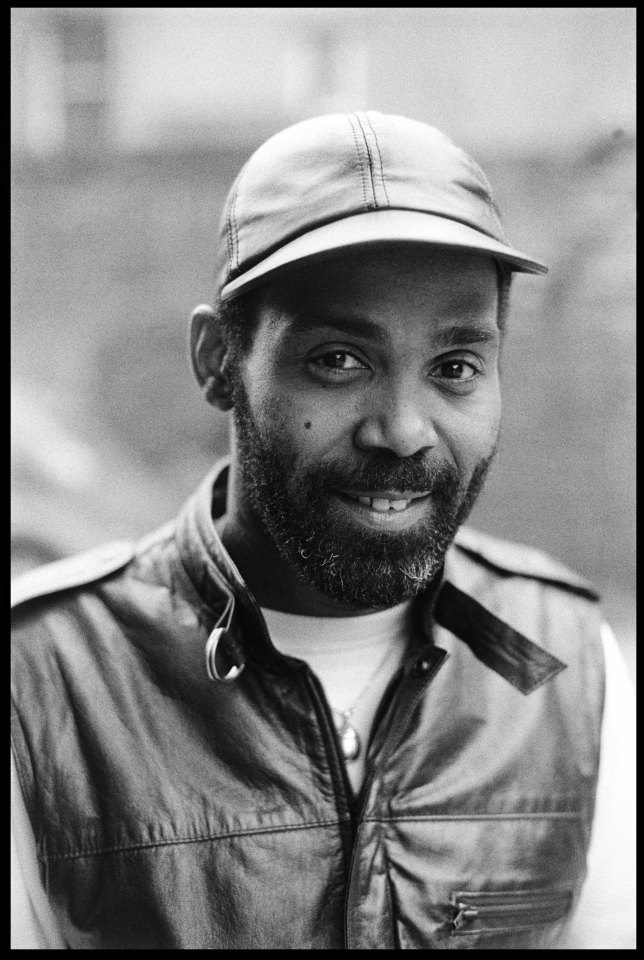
x: 416, y: 679
x: 339, y: 776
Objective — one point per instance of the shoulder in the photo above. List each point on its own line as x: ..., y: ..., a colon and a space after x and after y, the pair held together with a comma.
x: 94, y: 595
x: 507, y: 558
x: 523, y: 613
x: 69, y: 573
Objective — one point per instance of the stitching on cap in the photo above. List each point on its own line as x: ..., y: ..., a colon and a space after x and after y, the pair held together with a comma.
x: 229, y: 231
x: 492, y: 203
x: 369, y: 160
x: 229, y: 241
x: 232, y: 222
x: 236, y: 232
x: 365, y: 202
x: 382, y: 171
x: 481, y: 173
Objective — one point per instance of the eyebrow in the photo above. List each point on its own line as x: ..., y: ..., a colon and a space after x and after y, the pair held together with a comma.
x: 452, y: 335
x: 456, y: 334
x: 358, y: 326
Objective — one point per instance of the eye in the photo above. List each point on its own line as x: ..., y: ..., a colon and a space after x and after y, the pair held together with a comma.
x: 339, y: 360
x: 457, y: 369
x: 337, y: 365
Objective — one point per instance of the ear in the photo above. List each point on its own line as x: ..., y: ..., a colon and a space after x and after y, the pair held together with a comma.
x: 208, y: 350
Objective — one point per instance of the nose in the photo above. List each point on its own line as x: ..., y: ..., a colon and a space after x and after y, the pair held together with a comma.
x: 398, y: 420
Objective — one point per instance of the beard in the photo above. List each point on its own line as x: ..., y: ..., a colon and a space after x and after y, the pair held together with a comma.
x: 348, y: 562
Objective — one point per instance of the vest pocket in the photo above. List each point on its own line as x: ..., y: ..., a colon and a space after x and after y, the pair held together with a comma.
x: 477, y: 912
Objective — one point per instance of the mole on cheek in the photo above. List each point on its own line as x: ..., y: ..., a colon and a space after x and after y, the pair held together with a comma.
x: 308, y: 424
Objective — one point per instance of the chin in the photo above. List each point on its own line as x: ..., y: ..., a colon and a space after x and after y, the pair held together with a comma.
x: 370, y: 581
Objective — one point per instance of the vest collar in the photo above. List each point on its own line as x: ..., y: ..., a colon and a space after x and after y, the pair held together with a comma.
x: 221, y: 585
x: 448, y: 601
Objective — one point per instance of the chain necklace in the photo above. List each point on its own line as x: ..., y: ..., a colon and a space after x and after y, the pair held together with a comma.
x: 349, y: 738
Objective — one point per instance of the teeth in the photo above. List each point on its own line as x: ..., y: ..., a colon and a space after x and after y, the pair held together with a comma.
x: 381, y: 505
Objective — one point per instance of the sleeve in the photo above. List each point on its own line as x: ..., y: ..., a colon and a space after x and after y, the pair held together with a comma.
x: 33, y: 924
x: 605, y: 916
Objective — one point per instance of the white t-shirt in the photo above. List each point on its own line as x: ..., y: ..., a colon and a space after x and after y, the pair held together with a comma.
x: 354, y: 659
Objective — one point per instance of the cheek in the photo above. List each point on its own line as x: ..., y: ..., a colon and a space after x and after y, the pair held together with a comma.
x: 315, y: 431
x: 305, y: 432
x: 315, y: 420
x: 471, y: 434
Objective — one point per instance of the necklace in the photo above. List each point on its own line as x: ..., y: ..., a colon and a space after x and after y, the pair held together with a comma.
x: 350, y: 741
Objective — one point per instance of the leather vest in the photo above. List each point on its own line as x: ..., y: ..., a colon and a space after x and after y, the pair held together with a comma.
x: 172, y: 810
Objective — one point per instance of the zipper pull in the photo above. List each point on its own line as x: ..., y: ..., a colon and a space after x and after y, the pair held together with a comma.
x: 465, y: 913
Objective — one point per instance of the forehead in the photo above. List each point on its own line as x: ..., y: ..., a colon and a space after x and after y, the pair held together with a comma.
x: 388, y: 281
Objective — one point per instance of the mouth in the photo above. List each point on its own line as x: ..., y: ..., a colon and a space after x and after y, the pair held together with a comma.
x: 384, y: 501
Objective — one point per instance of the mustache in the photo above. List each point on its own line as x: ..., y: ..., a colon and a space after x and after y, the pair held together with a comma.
x: 414, y: 474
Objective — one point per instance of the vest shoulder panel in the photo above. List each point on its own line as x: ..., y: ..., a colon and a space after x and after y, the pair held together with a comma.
x: 77, y: 571
x: 521, y: 560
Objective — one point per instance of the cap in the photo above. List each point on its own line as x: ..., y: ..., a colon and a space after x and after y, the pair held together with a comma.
x: 346, y: 180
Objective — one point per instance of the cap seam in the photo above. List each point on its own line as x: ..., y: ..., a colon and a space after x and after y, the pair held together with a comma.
x: 229, y: 239
x: 369, y: 161
x: 365, y: 201
x: 235, y: 262
x: 382, y: 169
x: 477, y: 169
x: 497, y: 219
x: 232, y: 220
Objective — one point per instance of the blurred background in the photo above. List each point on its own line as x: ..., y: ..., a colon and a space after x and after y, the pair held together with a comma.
x: 128, y: 127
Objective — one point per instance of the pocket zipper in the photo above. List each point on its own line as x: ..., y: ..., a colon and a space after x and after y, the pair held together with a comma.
x: 506, y: 905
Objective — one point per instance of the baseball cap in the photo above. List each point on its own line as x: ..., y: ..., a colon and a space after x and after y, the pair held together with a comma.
x: 346, y: 180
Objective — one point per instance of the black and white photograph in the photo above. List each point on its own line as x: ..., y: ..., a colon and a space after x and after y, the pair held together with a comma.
x: 323, y: 478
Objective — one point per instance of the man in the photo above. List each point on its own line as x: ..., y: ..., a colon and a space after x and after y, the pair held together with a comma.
x: 317, y: 711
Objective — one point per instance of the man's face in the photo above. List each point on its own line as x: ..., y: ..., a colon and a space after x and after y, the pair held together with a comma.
x: 367, y: 414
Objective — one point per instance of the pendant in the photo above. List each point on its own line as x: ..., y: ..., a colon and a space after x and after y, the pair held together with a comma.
x: 349, y: 741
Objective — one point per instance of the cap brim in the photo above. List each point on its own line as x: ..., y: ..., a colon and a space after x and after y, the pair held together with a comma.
x: 379, y: 226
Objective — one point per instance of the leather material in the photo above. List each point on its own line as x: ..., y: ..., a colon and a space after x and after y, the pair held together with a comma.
x: 172, y: 812
x: 71, y: 571
x: 328, y: 169
x: 523, y: 663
